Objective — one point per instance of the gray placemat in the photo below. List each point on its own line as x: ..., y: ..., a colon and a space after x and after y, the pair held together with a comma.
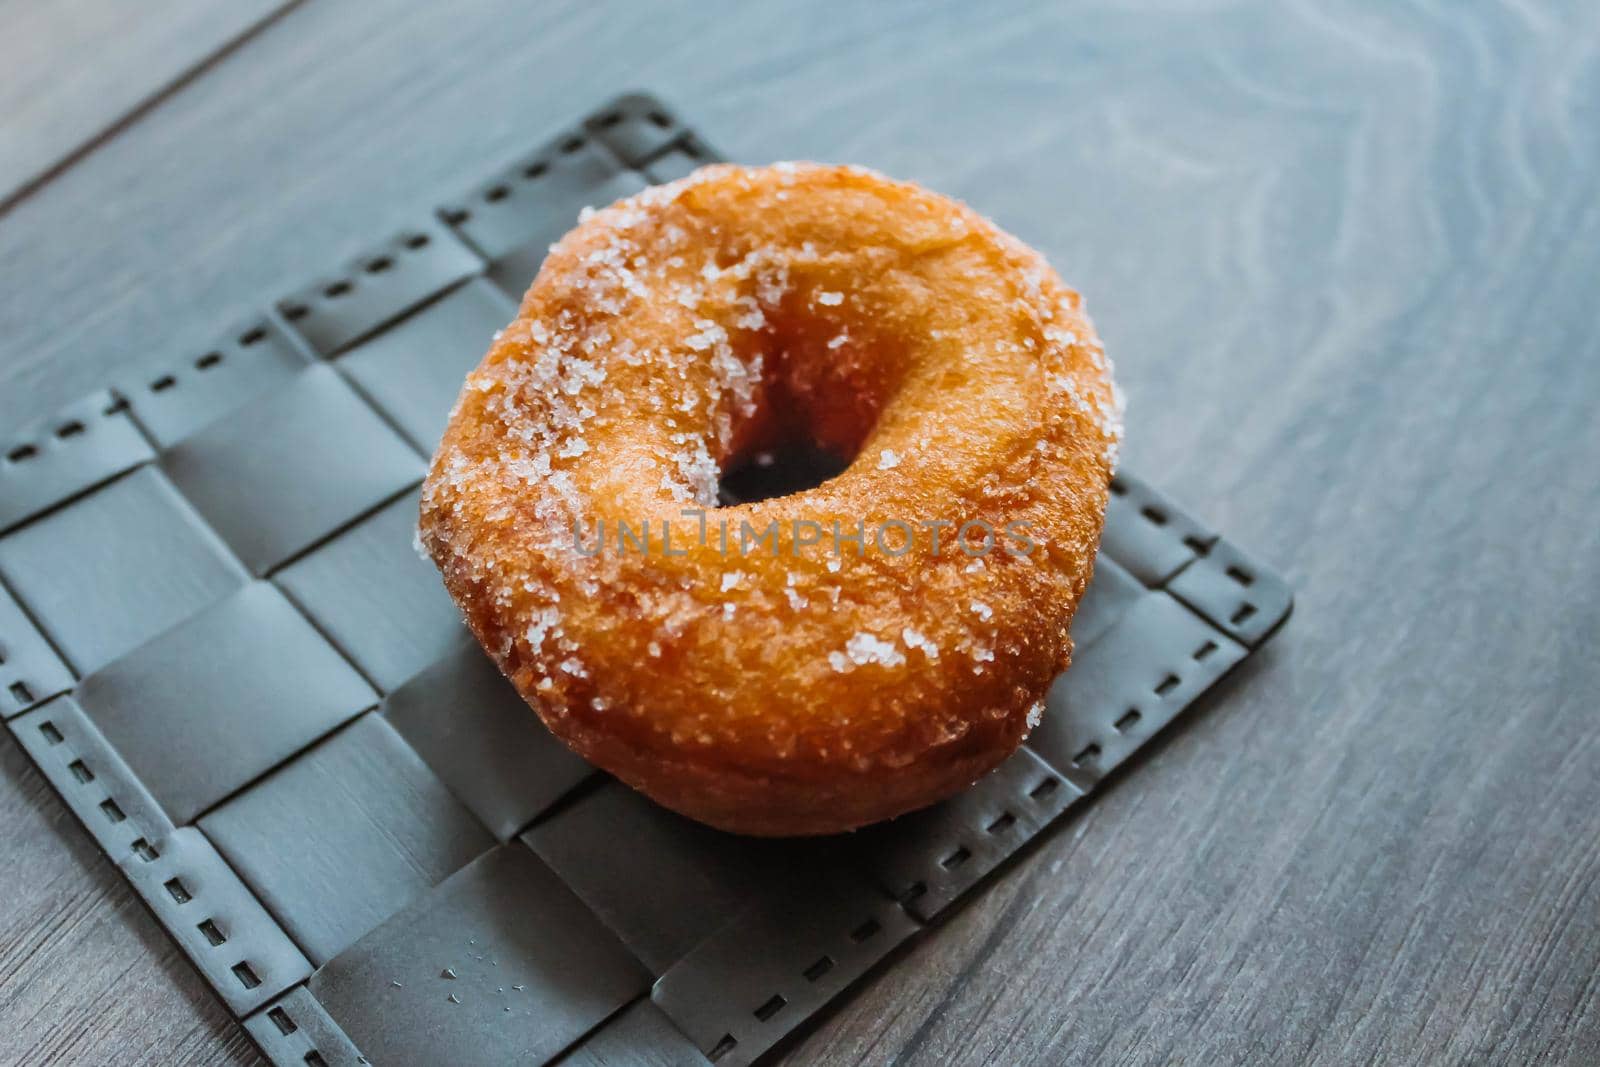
x: 217, y: 644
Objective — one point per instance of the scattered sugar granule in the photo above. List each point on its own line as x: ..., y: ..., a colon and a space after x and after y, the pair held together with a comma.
x: 839, y: 341
x: 752, y: 319
x: 710, y: 334
x: 914, y: 639
x: 833, y: 566
x: 830, y: 299
x: 731, y: 580
x: 796, y: 601
x: 864, y: 648
x: 1035, y: 715
x: 983, y: 611
x: 654, y: 648
x: 543, y: 621
x: 573, y: 667
x: 888, y: 460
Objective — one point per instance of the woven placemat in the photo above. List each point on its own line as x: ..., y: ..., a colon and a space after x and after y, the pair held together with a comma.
x: 218, y: 645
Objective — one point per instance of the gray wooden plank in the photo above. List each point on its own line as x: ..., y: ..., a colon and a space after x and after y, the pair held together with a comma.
x: 89, y: 976
x: 72, y: 69
x: 1344, y: 255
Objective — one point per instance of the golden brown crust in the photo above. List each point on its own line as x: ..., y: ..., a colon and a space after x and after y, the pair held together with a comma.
x: 676, y: 331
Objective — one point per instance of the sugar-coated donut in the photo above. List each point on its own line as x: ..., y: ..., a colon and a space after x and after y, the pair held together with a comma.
x: 754, y: 666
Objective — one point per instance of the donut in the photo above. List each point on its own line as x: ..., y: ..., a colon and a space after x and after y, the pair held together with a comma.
x: 813, y: 662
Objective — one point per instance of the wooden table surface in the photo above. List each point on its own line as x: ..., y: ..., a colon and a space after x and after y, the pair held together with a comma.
x: 1347, y: 256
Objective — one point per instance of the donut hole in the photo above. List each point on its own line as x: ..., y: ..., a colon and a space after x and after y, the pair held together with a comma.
x: 793, y: 467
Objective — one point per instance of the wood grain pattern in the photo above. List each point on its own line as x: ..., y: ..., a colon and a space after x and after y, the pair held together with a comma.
x: 86, y: 974
x: 75, y: 69
x: 1346, y: 255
